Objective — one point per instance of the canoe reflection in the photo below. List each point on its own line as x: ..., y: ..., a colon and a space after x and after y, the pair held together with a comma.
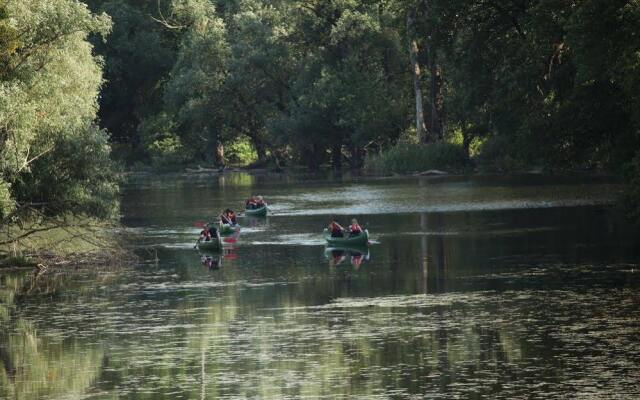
x: 211, y: 262
x: 355, y: 255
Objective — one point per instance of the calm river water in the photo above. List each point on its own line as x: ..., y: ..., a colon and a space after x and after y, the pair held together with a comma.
x: 495, y: 288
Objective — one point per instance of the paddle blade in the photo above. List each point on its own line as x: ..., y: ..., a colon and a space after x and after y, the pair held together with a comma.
x: 229, y: 240
x: 199, y: 224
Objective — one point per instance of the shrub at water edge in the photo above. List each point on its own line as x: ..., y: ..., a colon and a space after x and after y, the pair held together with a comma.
x: 406, y: 158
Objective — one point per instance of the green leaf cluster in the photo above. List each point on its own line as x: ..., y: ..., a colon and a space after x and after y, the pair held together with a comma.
x: 53, y: 157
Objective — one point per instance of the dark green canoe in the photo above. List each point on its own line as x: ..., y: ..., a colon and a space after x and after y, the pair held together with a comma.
x: 210, y: 245
x: 256, y: 212
x: 347, y: 241
x: 225, y: 229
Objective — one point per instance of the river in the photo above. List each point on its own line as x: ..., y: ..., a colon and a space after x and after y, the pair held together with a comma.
x: 473, y: 287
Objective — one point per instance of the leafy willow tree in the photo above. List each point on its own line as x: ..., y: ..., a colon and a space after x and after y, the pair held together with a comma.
x: 337, y: 95
x: 53, y: 159
x: 195, y: 81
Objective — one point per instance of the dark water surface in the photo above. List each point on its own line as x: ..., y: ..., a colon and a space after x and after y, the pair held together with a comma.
x: 473, y: 288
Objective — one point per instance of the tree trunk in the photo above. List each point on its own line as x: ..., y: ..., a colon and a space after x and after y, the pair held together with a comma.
x: 421, y: 129
x: 467, y: 137
x: 260, y: 151
x: 436, y: 96
x: 355, y: 162
x: 220, y: 155
x: 311, y: 157
x: 436, y: 128
x: 336, y: 157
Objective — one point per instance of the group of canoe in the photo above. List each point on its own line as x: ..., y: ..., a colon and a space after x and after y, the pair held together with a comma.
x: 334, y: 234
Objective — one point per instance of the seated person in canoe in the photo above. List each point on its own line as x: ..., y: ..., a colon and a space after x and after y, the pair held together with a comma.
x: 336, y: 229
x: 355, y: 229
x: 251, y: 203
x: 224, y: 218
x: 254, y: 202
x: 205, y: 235
x: 230, y: 216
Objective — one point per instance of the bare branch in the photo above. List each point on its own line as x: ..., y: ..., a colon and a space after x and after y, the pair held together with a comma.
x: 27, y: 162
x: 165, y: 22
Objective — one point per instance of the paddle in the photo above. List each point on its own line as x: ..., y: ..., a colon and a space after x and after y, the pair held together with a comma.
x: 199, y: 224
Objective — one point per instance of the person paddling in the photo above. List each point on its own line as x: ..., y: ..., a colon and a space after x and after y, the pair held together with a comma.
x: 230, y: 216
x: 355, y: 229
x: 251, y: 203
x: 205, y: 235
x: 336, y: 229
x: 224, y: 218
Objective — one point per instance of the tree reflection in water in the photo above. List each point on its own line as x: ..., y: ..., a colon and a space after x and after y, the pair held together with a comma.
x: 494, y: 304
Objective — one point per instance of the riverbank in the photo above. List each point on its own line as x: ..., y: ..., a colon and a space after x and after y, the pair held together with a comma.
x: 45, y: 260
x: 98, y: 244
x: 326, y: 172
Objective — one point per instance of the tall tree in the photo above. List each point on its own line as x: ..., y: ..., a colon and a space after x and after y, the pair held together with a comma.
x: 48, y: 103
x: 421, y: 128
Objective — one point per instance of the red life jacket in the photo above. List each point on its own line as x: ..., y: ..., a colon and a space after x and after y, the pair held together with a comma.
x: 355, y: 228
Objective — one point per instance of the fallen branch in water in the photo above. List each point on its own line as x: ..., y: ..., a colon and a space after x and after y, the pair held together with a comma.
x: 112, y: 257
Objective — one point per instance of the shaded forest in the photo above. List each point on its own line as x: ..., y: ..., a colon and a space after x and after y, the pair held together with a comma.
x: 389, y: 85
x: 516, y: 84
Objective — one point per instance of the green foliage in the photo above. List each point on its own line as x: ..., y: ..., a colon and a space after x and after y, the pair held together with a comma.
x: 555, y: 81
x: 192, y: 130
x: 138, y: 54
x: 52, y: 157
x: 242, y: 152
x: 9, y: 41
x: 7, y: 204
x: 167, y: 151
x: 409, y: 158
x: 160, y: 141
x: 502, y: 154
x: 77, y: 176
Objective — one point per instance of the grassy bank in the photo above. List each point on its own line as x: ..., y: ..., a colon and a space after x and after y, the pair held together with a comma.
x: 406, y: 158
x: 75, y: 243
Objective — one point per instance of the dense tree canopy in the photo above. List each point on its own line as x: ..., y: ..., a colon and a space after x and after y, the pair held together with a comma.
x: 532, y: 82
x: 53, y: 158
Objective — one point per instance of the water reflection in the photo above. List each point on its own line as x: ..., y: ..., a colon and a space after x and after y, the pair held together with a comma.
x: 211, y: 262
x: 354, y: 255
x: 539, y: 303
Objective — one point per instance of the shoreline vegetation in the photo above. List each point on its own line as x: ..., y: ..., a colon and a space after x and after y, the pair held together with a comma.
x: 89, y: 88
x: 75, y: 243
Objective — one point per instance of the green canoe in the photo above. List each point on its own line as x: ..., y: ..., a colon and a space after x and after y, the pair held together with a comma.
x: 256, y: 212
x: 225, y: 229
x: 211, y: 245
x: 347, y: 241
